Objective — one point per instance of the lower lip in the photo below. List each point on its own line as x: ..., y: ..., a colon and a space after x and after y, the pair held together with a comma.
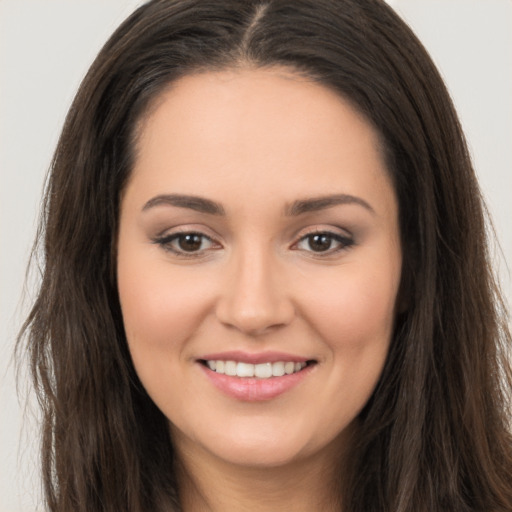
x: 250, y: 389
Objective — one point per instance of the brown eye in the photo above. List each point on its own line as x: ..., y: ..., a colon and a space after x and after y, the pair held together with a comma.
x: 190, y: 242
x: 186, y: 244
x: 320, y: 242
x: 324, y: 242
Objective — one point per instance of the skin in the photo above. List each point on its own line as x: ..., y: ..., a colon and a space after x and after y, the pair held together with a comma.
x: 256, y: 141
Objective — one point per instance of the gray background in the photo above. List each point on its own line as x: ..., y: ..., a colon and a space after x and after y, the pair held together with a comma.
x: 46, y: 47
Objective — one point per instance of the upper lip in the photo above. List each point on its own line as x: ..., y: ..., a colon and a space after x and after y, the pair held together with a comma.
x: 254, y: 358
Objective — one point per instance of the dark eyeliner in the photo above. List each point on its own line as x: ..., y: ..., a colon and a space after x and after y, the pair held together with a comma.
x: 165, y: 242
x: 346, y: 242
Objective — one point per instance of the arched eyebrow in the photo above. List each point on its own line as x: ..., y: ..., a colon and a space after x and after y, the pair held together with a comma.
x: 321, y: 203
x: 199, y: 204
x: 203, y: 205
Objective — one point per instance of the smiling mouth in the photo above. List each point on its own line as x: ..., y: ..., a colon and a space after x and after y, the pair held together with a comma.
x: 259, y: 371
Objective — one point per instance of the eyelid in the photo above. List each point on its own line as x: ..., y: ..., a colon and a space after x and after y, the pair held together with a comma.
x: 168, y: 236
x: 345, y: 238
x: 322, y: 228
x: 180, y: 229
x: 326, y: 228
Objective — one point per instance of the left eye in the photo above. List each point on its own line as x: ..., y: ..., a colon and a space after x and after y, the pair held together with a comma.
x: 186, y: 242
x: 324, y: 242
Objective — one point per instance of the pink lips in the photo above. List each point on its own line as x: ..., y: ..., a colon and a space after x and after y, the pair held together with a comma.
x: 252, y: 389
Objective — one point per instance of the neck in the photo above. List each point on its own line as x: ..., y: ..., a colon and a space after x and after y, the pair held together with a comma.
x: 213, y: 485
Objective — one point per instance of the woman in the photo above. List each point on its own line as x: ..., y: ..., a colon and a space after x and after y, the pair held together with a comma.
x: 266, y: 280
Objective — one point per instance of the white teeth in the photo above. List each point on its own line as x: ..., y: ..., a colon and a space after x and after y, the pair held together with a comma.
x: 263, y: 371
x: 278, y: 369
x: 245, y: 370
x: 230, y: 368
x: 260, y: 371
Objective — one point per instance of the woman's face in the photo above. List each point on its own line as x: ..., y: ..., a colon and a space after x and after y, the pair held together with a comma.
x: 258, y: 266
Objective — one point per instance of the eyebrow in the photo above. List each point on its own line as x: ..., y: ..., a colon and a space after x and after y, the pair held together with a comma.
x: 202, y: 205
x: 321, y: 203
x: 199, y: 204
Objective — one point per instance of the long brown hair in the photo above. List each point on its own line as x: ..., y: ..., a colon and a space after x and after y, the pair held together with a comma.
x: 435, y: 435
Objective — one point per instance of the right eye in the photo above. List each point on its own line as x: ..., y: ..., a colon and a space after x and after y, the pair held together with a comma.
x: 186, y: 244
x: 324, y: 243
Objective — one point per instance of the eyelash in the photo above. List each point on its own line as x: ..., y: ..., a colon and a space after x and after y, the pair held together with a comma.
x: 167, y: 241
x: 345, y: 242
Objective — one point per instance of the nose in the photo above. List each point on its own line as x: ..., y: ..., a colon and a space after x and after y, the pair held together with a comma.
x: 254, y: 297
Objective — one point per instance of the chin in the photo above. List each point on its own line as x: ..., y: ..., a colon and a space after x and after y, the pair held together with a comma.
x: 264, y: 446
x: 255, y: 455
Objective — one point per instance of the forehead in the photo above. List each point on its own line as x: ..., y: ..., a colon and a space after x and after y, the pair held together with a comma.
x: 271, y: 128
x: 241, y: 99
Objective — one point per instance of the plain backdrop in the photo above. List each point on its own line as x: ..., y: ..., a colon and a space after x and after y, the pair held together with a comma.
x: 46, y: 47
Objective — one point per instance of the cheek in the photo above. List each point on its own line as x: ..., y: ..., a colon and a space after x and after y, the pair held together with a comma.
x: 358, y: 307
x: 354, y: 318
x: 161, y: 308
x: 354, y: 312
x: 161, y: 312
